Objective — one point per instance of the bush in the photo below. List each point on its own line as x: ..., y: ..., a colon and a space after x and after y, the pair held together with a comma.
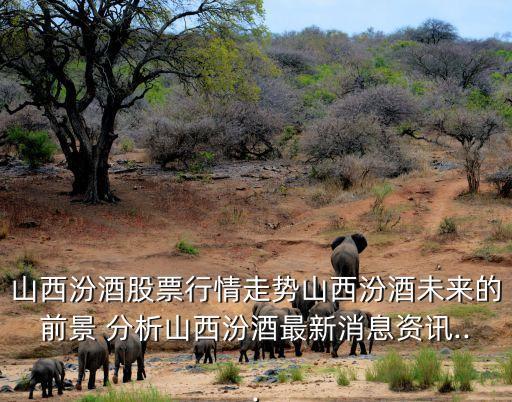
x: 463, y: 370
x: 127, y: 144
x: 186, y: 248
x: 228, y: 374
x: 445, y: 384
x: 426, y: 368
x: 502, y: 231
x: 34, y: 147
x: 447, y: 226
x: 246, y: 130
x: 296, y: 374
x: 393, y: 370
x: 344, y: 376
x: 150, y: 394
x: 502, y: 181
x: 175, y: 141
x: 385, y: 217
x: 282, y: 376
x: 23, y: 267
x: 506, y: 369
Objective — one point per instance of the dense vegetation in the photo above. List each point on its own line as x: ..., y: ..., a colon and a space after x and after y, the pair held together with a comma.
x: 357, y: 106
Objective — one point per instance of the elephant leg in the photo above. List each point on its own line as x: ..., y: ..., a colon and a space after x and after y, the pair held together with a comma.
x: 140, y: 368
x: 362, y: 347
x: 127, y: 372
x: 92, y: 379
x: 240, y: 358
x: 210, y: 358
x: 117, y: 365
x: 31, y: 388
x: 335, y: 346
x: 44, y: 386
x: 50, y: 387
x: 105, y: 373
x: 353, y: 347
x: 327, y: 345
x: 297, y: 345
x: 256, y: 355
x: 59, y: 384
x: 81, y: 372
x: 321, y: 348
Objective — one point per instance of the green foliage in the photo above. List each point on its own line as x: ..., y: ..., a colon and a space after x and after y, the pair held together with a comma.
x: 506, y: 369
x: 319, y: 95
x: 282, y: 376
x: 127, y: 144
x: 296, y: 374
x: 185, y: 247
x: 385, y: 217
x: 228, y: 373
x: 34, y: 147
x: 392, y: 369
x: 289, y: 141
x: 24, y: 266
x: 457, y: 310
x: 202, y: 162
x: 150, y: 394
x: 463, y: 370
x: 490, y: 252
x: 222, y: 66
x: 447, y: 226
x: 426, y: 367
x: 157, y: 95
x: 345, y: 375
x: 342, y: 378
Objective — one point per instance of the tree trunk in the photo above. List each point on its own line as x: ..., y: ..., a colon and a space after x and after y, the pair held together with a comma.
x: 473, y: 173
x: 90, y: 178
x: 98, y: 183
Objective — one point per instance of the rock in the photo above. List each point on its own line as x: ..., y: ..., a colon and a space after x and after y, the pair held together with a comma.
x: 446, y: 351
x: 6, y: 389
x: 28, y: 224
x: 154, y: 359
x: 228, y: 388
x: 71, y: 366
x: 68, y: 384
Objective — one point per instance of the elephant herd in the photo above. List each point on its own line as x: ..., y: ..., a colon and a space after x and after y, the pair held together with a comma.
x: 345, y: 261
x: 93, y: 354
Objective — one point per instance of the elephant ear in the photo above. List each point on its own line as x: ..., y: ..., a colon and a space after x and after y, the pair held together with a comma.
x: 337, y: 241
x: 360, y: 241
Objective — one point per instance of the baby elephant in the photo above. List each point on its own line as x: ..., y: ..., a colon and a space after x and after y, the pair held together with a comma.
x: 44, y: 372
x: 247, y: 344
x: 204, y: 348
x: 128, y: 351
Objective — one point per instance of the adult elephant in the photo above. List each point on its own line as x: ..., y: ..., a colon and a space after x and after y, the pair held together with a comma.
x: 127, y: 352
x: 345, y: 255
x: 93, y: 355
x: 321, y: 310
x: 305, y: 298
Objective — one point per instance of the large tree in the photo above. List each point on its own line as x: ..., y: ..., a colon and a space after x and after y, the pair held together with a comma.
x: 77, y: 56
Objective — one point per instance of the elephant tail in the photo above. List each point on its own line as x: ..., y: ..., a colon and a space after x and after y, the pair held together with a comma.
x: 215, y: 350
x: 144, y: 345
